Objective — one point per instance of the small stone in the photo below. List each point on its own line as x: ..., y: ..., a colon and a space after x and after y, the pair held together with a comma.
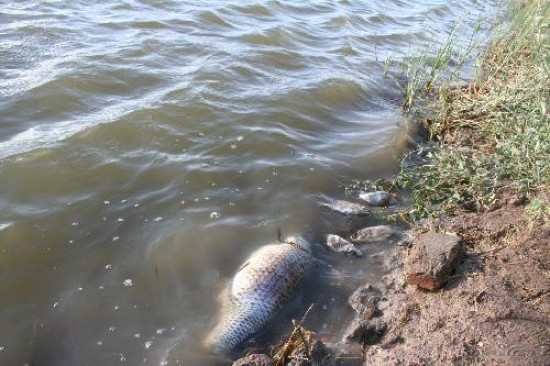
x: 340, y: 245
x: 431, y: 260
x: 378, y: 198
x: 364, y: 300
x: 373, y: 233
x: 320, y: 354
x: 364, y: 332
x: 256, y: 359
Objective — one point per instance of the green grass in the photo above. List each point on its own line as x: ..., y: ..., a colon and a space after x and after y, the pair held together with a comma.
x: 492, y: 133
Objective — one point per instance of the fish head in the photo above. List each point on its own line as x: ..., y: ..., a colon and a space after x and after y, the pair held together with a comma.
x: 300, y: 242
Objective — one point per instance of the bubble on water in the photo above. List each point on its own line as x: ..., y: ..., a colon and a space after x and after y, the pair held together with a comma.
x: 231, y: 204
x: 213, y: 184
x: 233, y: 146
x: 112, y: 329
x: 120, y: 219
x: 104, y: 219
x: 116, y: 238
x: 201, y: 134
x: 196, y: 200
x: 74, y: 223
x: 325, y: 307
x: 148, y: 344
x: 207, y: 198
x: 123, y: 201
x: 136, y: 205
x: 267, y: 181
x: 163, y: 363
x: 106, y: 202
x: 158, y: 218
x: 260, y: 188
x: 161, y: 331
x: 2, y: 348
x: 311, y: 169
x: 108, y: 266
x: 122, y: 358
x: 80, y: 289
x: 135, y: 306
x: 116, y: 307
x: 240, y: 138
x: 127, y: 282
x: 101, y: 287
x: 182, y: 202
x: 56, y: 304
x: 241, y: 171
x: 99, y: 343
x: 215, y: 215
x: 137, y: 335
x: 275, y: 173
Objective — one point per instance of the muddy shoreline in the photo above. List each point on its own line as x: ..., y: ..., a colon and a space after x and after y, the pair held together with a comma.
x: 492, y: 306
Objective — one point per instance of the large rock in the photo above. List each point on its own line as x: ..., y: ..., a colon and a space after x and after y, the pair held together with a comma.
x: 256, y: 359
x: 431, y: 260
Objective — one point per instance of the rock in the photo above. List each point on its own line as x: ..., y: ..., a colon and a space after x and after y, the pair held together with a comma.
x: 373, y: 233
x: 431, y: 260
x: 320, y: 354
x: 341, y: 245
x: 406, y: 239
x: 378, y: 198
x: 365, y: 332
x: 364, y: 300
x: 256, y: 359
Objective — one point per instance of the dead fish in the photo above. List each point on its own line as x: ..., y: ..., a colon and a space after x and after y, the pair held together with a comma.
x: 261, y: 287
x: 373, y: 233
x: 378, y: 198
x: 341, y: 245
x: 345, y: 207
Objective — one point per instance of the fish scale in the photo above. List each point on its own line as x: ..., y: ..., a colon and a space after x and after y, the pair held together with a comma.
x: 261, y: 287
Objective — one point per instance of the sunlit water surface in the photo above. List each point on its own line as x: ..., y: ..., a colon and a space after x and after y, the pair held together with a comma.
x: 147, y: 147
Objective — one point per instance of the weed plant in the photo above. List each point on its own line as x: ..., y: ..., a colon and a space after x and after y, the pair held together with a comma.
x: 492, y: 133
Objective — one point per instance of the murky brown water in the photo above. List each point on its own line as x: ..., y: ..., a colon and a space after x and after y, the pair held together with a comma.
x: 147, y: 147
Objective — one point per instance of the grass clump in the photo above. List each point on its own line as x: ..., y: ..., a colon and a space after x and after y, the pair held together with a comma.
x: 494, y: 132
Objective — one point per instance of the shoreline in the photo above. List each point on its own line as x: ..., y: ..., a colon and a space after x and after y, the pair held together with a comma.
x: 484, y: 182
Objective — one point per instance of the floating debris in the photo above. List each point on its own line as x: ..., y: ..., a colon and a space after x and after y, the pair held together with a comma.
x: 215, y: 215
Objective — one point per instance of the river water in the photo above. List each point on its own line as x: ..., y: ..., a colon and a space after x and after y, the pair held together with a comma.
x: 148, y: 146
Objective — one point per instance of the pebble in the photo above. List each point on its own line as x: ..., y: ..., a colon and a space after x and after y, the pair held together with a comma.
x: 378, y: 198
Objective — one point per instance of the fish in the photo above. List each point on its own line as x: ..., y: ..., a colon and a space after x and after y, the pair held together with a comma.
x: 262, y: 286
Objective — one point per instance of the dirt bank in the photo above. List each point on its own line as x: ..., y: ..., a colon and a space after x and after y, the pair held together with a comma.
x: 495, y: 308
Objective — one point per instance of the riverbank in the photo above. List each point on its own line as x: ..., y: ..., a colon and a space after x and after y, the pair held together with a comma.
x: 482, y: 178
x: 485, y: 178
